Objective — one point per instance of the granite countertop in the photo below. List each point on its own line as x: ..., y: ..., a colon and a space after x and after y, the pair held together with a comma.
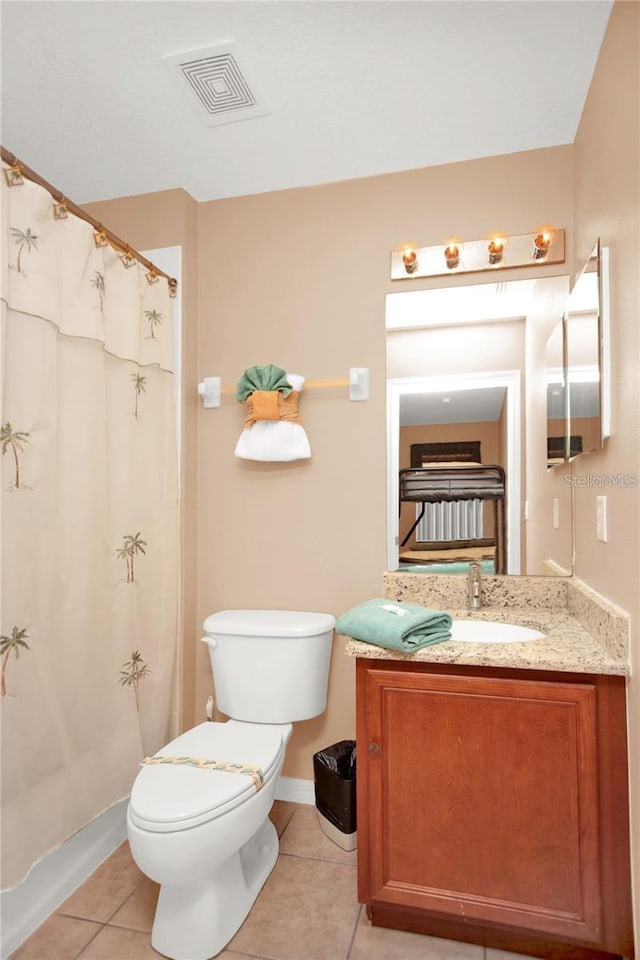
x: 567, y: 646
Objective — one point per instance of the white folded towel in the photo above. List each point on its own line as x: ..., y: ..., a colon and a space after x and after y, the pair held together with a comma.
x: 270, y: 440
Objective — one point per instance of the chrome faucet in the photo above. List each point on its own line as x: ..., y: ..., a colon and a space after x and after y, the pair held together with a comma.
x: 475, y: 589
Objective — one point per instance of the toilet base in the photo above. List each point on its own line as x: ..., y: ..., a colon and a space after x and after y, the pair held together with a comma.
x: 195, y: 921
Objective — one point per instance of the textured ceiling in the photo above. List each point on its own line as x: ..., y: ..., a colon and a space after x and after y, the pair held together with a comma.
x: 353, y: 88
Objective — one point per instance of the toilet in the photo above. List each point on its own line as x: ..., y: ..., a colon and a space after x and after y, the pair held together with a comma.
x: 202, y: 833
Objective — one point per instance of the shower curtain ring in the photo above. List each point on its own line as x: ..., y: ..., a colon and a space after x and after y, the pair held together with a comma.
x: 100, y: 236
x: 60, y: 209
x: 13, y: 174
x: 128, y: 258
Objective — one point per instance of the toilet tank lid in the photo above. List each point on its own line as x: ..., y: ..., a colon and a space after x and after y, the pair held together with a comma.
x: 269, y: 623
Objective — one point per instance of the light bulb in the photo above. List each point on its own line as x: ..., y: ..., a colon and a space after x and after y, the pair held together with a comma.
x: 496, y: 249
x: 410, y: 260
x: 452, y: 256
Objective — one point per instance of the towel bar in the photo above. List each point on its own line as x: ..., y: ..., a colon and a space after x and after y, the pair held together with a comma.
x: 210, y: 389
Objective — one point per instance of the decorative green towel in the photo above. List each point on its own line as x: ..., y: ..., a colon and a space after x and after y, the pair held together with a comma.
x: 265, y: 377
x: 396, y: 626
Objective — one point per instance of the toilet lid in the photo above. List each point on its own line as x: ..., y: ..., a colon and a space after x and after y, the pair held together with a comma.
x: 269, y: 623
x: 169, y: 797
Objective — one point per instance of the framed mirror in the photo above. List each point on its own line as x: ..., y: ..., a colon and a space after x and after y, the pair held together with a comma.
x: 587, y: 334
x: 466, y: 382
x: 557, y: 446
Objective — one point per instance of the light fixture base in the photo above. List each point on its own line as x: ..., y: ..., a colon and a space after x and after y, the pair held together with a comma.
x: 477, y: 256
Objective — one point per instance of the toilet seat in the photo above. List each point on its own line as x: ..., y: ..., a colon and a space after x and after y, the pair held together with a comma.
x: 169, y: 798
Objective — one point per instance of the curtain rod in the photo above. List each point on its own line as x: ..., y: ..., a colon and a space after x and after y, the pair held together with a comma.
x: 59, y: 197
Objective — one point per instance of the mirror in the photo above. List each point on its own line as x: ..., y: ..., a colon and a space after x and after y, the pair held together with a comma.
x: 466, y: 369
x: 556, y: 396
x: 583, y: 360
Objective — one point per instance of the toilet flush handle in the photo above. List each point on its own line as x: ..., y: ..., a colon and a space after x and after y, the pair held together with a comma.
x: 213, y: 643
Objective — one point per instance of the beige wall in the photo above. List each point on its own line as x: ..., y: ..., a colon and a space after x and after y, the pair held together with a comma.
x: 607, y: 205
x: 299, y: 278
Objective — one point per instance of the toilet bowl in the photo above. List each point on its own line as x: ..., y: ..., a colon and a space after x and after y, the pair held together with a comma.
x: 201, y: 832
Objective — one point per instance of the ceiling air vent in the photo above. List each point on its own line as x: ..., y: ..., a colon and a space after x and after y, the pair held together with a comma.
x: 218, y: 83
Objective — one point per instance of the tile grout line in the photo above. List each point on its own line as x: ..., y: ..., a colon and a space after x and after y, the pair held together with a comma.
x: 284, y: 829
x: 337, y: 863
x: 126, y: 899
x: 75, y: 916
x: 97, y: 933
x: 250, y: 956
x: 355, y: 930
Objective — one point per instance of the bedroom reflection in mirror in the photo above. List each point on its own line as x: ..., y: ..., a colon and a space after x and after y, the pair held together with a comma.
x: 459, y: 502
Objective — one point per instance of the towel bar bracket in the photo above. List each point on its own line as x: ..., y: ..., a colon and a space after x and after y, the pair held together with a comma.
x: 209, y: 389
x: 359, y: 383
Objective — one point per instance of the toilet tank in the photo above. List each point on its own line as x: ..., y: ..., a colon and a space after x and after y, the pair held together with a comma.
x: 270, y: 666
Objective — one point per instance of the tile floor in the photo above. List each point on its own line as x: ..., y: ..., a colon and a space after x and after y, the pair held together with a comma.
x: 307, y: 910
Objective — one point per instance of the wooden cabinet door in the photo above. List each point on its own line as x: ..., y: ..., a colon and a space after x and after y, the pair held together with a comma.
x: 478, y: 799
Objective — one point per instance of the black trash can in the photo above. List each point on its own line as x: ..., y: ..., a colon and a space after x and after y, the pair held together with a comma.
x: 334, y: 770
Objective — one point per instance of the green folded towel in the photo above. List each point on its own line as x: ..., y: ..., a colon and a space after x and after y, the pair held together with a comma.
x: 396, y: 626
x: 265, y: 377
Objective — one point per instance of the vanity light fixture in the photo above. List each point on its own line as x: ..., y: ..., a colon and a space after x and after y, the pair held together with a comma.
x: 497, y: 251
x: 541, y: 243
x: 452, y: 256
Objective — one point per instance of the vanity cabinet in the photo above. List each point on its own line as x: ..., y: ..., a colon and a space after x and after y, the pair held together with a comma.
x: 493, y: 807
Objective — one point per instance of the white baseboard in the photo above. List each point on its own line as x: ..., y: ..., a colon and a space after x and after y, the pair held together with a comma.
x: 54, y: 878
x: 295, y: 790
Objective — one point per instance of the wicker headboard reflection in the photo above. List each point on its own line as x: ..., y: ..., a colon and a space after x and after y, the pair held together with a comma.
x: 463, y: 451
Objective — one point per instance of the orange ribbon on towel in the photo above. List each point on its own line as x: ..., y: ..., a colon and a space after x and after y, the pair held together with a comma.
x: 271, y: 405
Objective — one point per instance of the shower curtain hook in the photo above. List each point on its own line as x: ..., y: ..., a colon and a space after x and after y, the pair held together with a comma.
x: 100, y: 236
x: 13, y: 174
x: 128, y: 258
x: 60, y: 209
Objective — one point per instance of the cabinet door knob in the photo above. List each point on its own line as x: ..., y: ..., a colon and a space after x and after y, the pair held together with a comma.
x: 374, y: 748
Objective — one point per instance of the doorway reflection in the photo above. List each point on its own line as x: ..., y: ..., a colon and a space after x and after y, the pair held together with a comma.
x: 453, y: 436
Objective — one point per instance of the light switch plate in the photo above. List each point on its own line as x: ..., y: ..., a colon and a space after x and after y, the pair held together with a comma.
x: 601, y: 519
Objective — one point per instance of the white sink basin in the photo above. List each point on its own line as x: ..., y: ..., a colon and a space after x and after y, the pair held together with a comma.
x: 488, y: 631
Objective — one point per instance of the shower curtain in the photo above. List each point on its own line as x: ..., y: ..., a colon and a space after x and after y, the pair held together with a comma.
x: 89, y: 524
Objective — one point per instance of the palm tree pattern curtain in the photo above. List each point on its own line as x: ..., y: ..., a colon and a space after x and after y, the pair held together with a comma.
x: 89, y: 525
